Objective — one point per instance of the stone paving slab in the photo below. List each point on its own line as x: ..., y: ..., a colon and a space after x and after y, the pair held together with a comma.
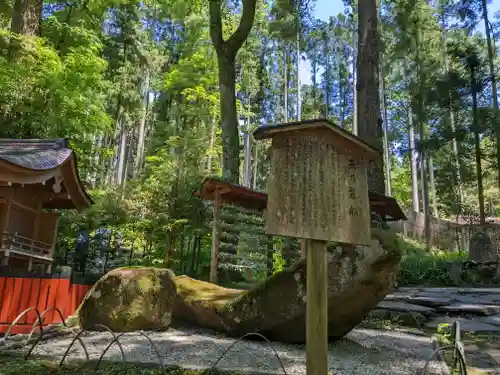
x: 431, y: 301
x: 466, y: 325
x: 492, y: 319
x: 462, y: 301
x: 405, y: 307
x: 475, y: 309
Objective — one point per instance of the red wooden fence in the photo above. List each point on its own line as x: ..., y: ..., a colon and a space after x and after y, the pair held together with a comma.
x: 18, y: 293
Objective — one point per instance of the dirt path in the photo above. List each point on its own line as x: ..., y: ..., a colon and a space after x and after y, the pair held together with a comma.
x: 362, y: 352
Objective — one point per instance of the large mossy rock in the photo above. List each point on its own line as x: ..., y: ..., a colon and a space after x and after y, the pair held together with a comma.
x: 130, y: 299
x: 359, y: 277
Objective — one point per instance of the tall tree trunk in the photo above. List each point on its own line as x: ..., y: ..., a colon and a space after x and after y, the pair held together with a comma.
x: 477, y: 145
x: 423, y: 176
x: 387, y: 153
x: 285, y: 79
x: 139, y: 157
x: 247, y: 150
x: 255, y: 166
x: 128, y: 165
x: 494, y: 94
x: 369, y: 121
x: 122, y: 153
x: 421, y: 118
x: 340, y: 91
x: 451, y: 114
x: 27, y: 17
x: 26, y: 20
x: 226, y: 55
x: 211, y: 144
x: 354, y: 85
x: 432, y: 183
x: 96, y: 146
x: 413, y: 164
x: 229, y: 120
x: 314, y: 72
x: 326, y: 51
x: 299, y: 96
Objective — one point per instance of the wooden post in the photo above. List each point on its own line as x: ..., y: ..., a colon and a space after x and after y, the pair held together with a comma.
x: 5, y: 260
x: 317, y: 308
x: 8, y: 210
x: 215, y: 238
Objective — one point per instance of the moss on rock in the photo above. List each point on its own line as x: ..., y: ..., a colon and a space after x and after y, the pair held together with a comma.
x: 130, y: 299
x: 359, y: 277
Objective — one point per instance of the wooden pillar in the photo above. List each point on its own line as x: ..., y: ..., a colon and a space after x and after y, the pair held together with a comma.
x: 215, y: 238
x: 5, y: 227
x: 317, y: 308
x: 5, y: 259
x: 54, y: 236
x: 34, y: 234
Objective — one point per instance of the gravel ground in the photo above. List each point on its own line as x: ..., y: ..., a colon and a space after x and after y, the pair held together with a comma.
x: 363, y: 352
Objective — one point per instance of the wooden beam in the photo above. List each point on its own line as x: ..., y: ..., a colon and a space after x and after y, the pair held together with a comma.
x: 317, y: 308
x: 22, y: 206
x: 28, y: 178
x: 215, y: 238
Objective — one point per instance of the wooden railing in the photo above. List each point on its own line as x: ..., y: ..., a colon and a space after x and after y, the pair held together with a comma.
x: 25, y: 246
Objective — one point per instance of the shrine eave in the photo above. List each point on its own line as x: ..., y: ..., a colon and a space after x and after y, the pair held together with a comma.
x: 230, y: 193
x: 45, y: 164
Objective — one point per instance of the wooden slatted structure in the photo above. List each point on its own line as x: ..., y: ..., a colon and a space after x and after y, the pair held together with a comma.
x: 222, y: 192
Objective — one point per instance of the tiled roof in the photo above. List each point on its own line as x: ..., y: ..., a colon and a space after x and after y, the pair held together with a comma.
x: 35, y: 154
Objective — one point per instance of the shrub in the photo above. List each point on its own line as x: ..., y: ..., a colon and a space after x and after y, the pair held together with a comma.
x: 420, y: 267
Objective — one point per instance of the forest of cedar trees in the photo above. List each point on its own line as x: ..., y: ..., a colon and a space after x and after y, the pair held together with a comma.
x: 156, y: 95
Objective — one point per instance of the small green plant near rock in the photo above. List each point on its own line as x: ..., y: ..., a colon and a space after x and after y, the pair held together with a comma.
x: 443, y: 334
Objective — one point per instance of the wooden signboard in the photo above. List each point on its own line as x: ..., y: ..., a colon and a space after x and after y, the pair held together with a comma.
x: 317, y: 188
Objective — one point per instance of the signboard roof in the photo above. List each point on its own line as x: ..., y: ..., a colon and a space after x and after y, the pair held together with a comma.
x: 354, y: 142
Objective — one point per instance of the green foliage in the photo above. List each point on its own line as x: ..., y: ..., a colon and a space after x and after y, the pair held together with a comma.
x: 134, y: 86
x: 47, y: 95
x: 278, y: 262
x: 419, y: 267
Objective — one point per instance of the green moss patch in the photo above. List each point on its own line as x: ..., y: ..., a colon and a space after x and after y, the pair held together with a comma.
x: 208, y: 294
x: 130, y: 299
x: 277, y: 306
